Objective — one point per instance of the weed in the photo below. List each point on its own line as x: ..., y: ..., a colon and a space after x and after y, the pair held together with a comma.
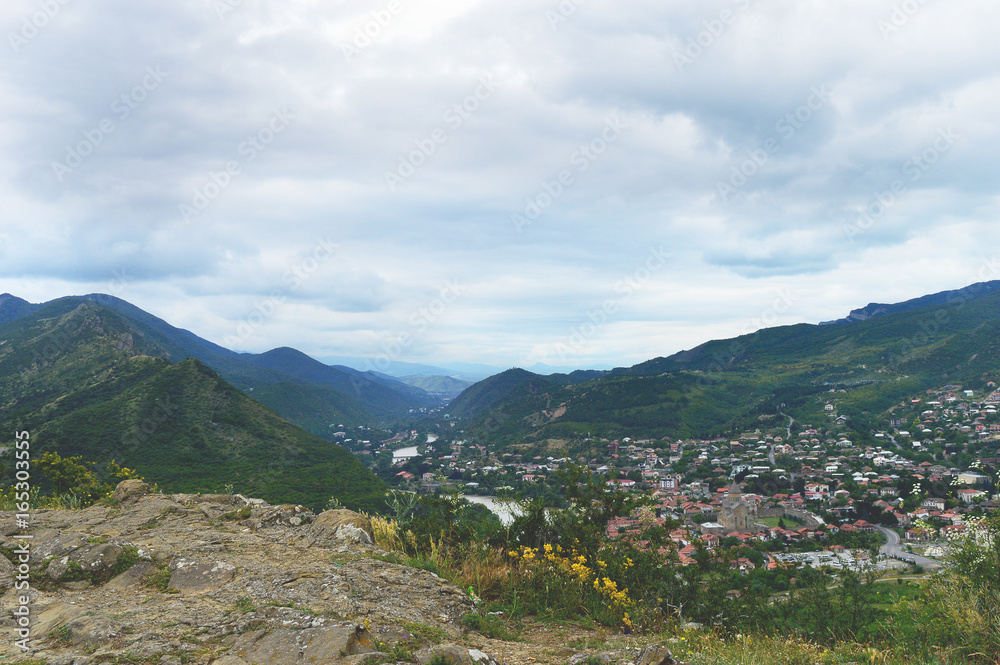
x: 237, y: 515
x: 61, y: 634
x: 244, y: 605
x: 429, y: 633
x: 75, y: 573
x: 489, y: 625
x: 160, y: 580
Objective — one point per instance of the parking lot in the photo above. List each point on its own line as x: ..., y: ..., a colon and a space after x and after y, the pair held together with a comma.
x: 848, y: 559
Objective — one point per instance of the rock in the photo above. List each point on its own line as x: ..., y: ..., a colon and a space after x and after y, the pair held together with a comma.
x: 90, y: 563
x: 7, y: 573
x: 71, y: 660
x: 453, y: 654
x: 193, y: 579
x: 284, y: 515
x: 655, y: 654
x: 130, y: 490
x: 365, y: 659
x: 134, y: 576
x: 50, y: 543
x: 89, y: 630
x: 605, y: 658
x: 334, y: 527
x: 309, y: 646
x: 229, y: 660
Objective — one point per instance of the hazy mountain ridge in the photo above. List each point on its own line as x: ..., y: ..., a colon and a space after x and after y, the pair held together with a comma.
x: 941, y: 298
x: 85, y: 381
x: 358, y: 397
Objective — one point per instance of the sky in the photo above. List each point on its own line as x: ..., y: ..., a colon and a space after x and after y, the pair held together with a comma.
x: 580, y: 183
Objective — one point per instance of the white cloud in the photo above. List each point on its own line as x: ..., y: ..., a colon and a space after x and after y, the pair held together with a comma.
x: 474, y: 156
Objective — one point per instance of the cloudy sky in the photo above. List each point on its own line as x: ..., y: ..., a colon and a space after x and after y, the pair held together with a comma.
x: 578, y: 183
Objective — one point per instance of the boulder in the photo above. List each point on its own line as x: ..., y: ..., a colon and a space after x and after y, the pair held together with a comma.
x: 134, y: 576
x: 302, y: 647
x: 655, y: 654
x: 130, y: 490
x: 336, y: 527
x: 453, y: 654
x: 93, y: 563
x: 193, y: 579
x: 605, y: 658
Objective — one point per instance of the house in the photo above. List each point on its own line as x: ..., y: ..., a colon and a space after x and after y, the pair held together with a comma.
x: 969, y: 496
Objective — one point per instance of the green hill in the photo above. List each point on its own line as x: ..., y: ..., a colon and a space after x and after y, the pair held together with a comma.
x: 723, y: 386
x: 85, y: 381
x: 336, y: 394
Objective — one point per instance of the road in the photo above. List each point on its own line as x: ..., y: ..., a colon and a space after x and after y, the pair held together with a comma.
x: 893, y: 549
x: 791, y: 421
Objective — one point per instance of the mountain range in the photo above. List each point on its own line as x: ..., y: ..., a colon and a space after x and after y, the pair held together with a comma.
x: 877, y: 355
x: 98, y: 377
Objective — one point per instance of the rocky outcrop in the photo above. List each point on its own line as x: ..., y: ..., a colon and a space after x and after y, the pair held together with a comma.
x: 226, y: 580
x: 218, y: 578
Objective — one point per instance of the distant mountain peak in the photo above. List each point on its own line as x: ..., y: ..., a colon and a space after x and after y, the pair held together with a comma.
x: 941, y: 298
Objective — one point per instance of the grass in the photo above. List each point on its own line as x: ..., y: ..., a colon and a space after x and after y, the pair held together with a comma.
x: 160, y: 580
x: 489, y: 625
x: 244, y: 605
x: 429, y: 633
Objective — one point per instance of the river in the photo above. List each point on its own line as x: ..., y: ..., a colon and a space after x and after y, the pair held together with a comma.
x: 405, y: 453
x: 505, y: 511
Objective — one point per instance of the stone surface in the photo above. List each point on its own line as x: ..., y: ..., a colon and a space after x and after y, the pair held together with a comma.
x: 605, y: 658
x: 7, y: 573
x: 193, y: 578
x: 134, y: 576
x: 453, y: 654
x: 212, y: 588
x: 129, y: 490
x: 300, y: 647
x: 655, y: 654
x: 334, y: 527
x: 89, y: 630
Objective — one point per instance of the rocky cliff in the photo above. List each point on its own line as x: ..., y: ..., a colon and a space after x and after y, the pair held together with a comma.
x: 227, y: 580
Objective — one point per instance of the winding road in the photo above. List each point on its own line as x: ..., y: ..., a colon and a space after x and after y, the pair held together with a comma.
x: 894, y: 549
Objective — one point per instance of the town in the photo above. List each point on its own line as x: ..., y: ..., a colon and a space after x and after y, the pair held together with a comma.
x: 797, y: 493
